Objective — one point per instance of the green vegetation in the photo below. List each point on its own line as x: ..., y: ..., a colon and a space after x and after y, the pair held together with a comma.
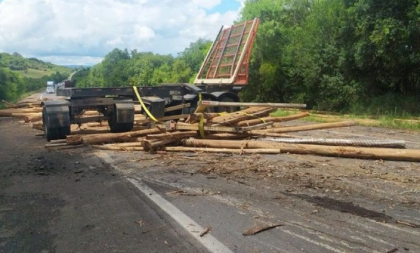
x: 358, y: 56
x: 19, y: 76
x: 123, y: 68
x: 386, y: 121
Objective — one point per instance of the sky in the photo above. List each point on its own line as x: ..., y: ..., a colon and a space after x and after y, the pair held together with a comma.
x: 82, y: 32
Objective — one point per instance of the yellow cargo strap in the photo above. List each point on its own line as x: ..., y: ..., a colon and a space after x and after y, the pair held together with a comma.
x: 201, y: 123
x: 143, y: 105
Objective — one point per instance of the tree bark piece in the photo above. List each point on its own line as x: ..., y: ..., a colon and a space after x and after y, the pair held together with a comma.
x: 252, y: 122
x: 340, y: 151
x: 260, y: 228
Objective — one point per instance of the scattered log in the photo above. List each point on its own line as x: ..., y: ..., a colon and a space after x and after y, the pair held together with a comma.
x: 272, y: 119
x: 229, y: 136
x: 195, y: 117
x: 341, y: 142
x: 224, y: 150
x: 169, y: 138
x: 340, y: 151
x: 249, y: 113
x: 117, y: 148
x: 304, y: 127
x: 172, y: 135
x: 109, y: 137
x: 38, y: 126
x: 31, y: 117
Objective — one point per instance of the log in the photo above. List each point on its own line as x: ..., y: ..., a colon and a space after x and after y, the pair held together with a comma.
x: 249, y: 113
x: 31, y: 117
x: 169, y: 138
x: 272, y: 119
x: 176, y: 135
x: 195, y: 117
x: 219, y: 136
x: 340, y: 151
x: 149, y: 145
x: 304, y: 127
x: 117, y: 148
x: 38, y: 126
x: 341, y: 142
x: 110, y: 137
x: 224, y: 150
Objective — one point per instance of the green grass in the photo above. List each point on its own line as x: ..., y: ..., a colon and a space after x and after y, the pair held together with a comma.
x: 405, y: 121
x: 34, y: 73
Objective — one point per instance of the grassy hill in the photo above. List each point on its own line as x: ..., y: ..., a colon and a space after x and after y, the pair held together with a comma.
x: 30, y: 67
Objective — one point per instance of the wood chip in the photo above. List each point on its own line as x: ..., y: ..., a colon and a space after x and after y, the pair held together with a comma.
x: 206, y: 231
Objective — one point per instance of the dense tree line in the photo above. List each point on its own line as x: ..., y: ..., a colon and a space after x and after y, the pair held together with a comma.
x: 123, y: 68
x: 336, y: 54
x: 330, y: 54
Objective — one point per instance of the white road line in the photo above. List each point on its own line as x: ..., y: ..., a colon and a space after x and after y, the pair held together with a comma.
x: 192, y: 227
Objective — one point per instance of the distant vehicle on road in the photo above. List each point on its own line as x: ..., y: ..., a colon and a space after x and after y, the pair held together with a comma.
x: 50, y: 89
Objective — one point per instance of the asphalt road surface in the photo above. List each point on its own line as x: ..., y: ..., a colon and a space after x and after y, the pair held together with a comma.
x: 72, y: 201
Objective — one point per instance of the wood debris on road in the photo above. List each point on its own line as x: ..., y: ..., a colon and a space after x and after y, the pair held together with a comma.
x: 240, y: 132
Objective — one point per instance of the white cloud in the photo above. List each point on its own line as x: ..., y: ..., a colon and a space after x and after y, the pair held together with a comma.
x: 84, y: 31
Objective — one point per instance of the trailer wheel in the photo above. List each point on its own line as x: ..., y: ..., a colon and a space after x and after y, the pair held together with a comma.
x: 62, y: 132
x: 227, y: 109
x: 205, y: 96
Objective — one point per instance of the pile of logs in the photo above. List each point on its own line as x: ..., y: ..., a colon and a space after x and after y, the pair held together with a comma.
x: 251, y: 130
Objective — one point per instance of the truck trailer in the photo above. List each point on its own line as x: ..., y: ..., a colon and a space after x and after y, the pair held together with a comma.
x: 221, y: 77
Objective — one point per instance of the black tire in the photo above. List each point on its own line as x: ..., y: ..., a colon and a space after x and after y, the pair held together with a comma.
x: 204, y: 96
x: 49, y: 132
x: 62, y: 132
x: 227, y: 109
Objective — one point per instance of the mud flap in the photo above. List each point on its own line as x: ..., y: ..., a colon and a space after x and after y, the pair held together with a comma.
x: 124, y: 111
x: 56, y: 114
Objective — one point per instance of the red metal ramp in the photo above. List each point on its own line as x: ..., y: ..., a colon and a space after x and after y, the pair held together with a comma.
x: 227, y: 61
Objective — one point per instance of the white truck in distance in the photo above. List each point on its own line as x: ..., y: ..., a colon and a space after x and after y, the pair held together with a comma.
x: 50, y: 87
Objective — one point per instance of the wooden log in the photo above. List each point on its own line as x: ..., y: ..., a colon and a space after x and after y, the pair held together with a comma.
x: 218, y: 136
x: 341, y: 142
x: 172, y: 135
x: 252, y: 122
x: 195, y: 117
x: 109, y: 137
x: 117, y: 148
x: 96, y: 124
x: 304, y: 127
x: 249, y: 113
x: 149, y: 145
x: 224, y: 150
x: 38, y: 126
x: 169, y: 138
x: 31, y: 117
x: 340, y: 151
